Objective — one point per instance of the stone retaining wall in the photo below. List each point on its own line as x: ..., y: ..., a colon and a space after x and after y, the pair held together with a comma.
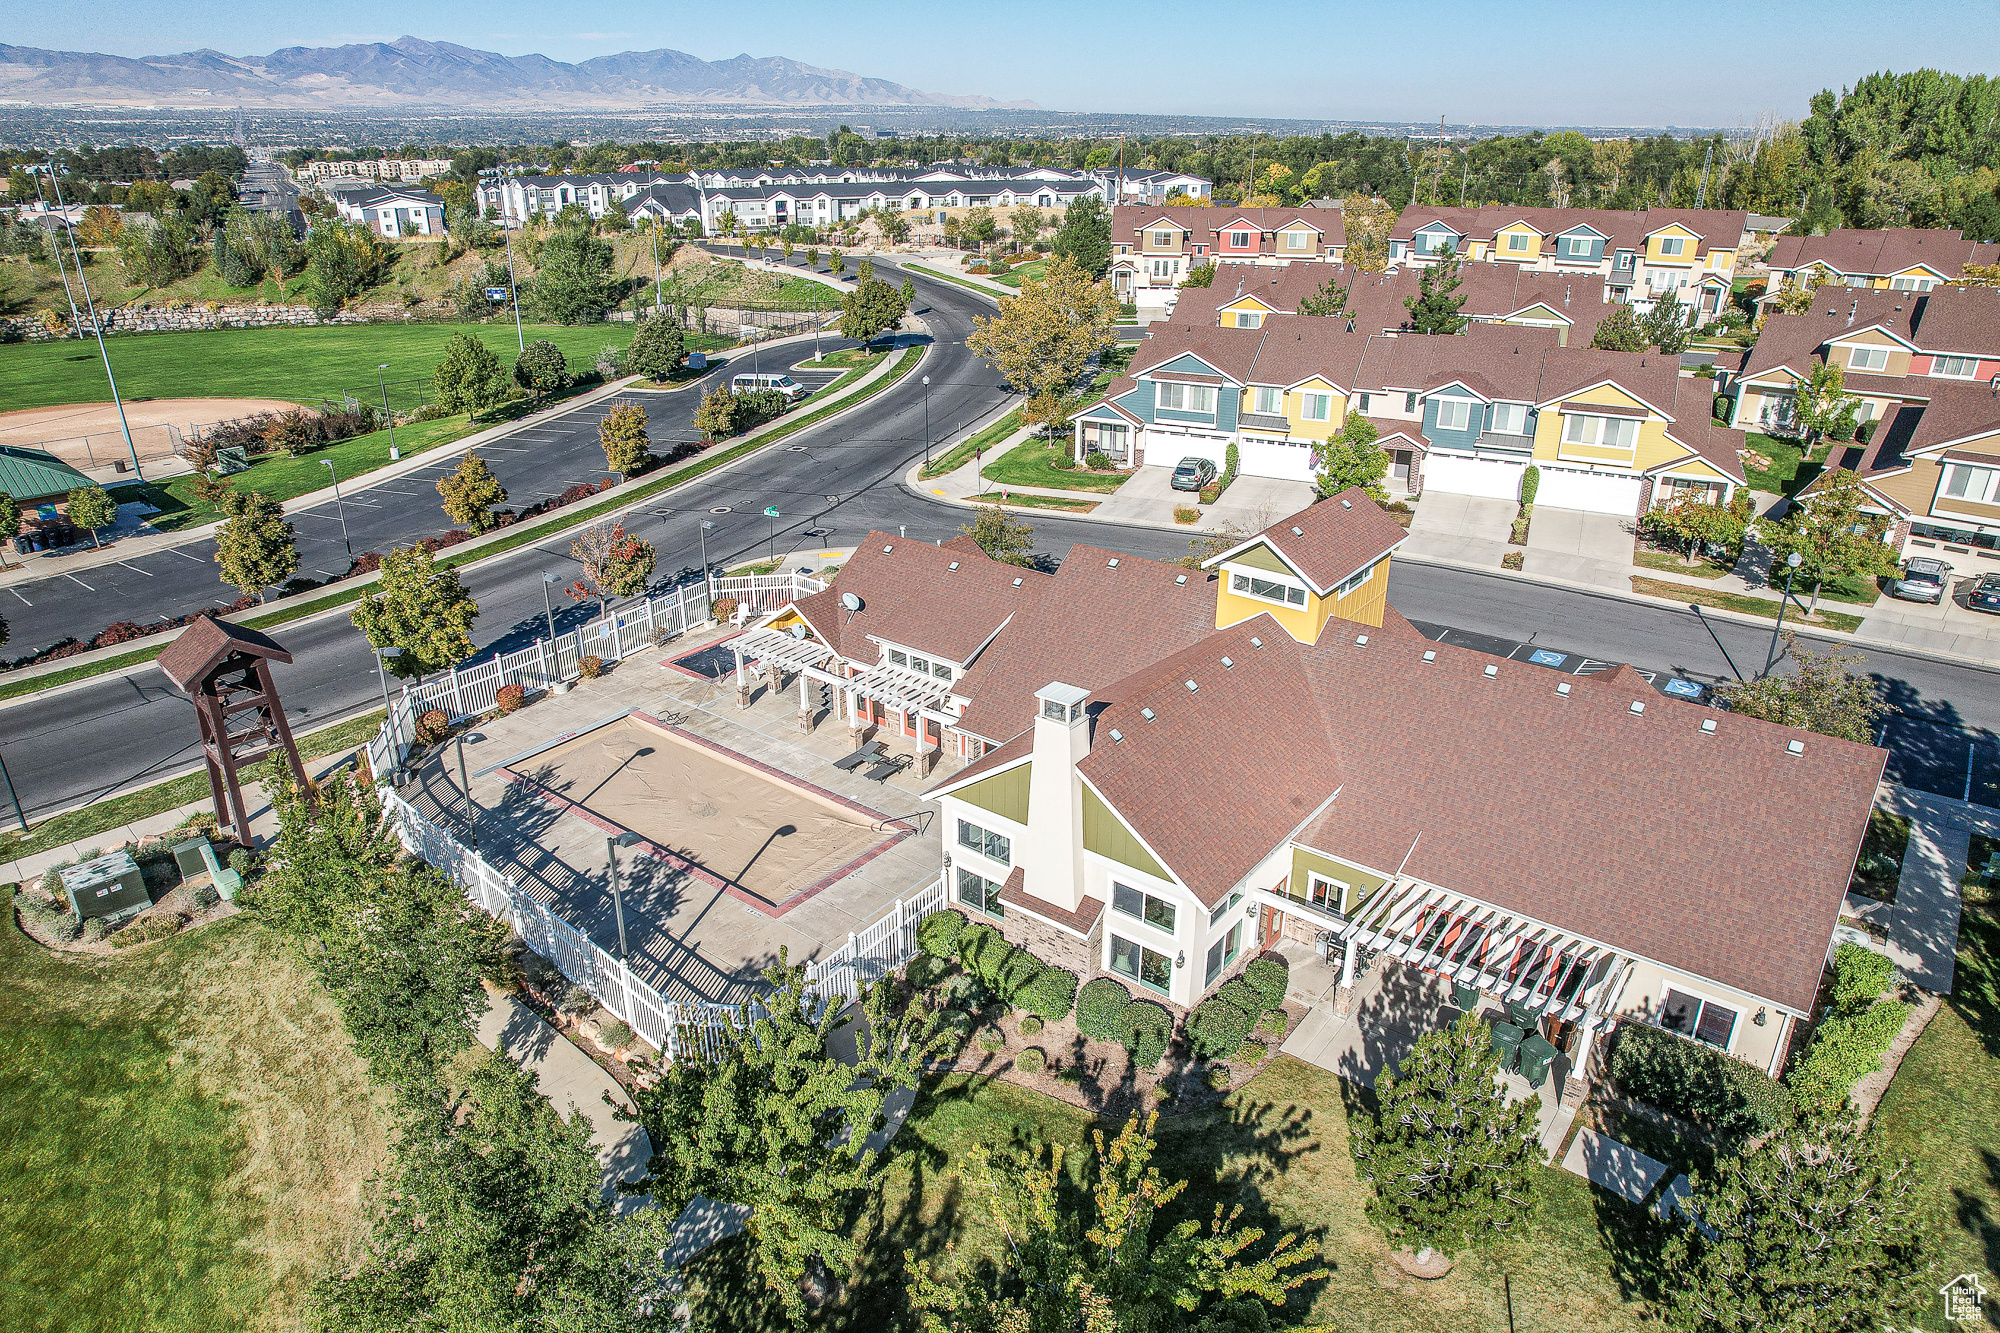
x: 191, y: 318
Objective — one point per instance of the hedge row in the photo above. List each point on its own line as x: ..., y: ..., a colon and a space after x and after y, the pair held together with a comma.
x: 1220, y: 1025
x: 1698, y: 1082
x: 1019, y: 978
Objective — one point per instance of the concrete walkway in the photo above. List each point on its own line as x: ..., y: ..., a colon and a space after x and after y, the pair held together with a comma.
x: 1923, y: 919
x: 572, y: 1081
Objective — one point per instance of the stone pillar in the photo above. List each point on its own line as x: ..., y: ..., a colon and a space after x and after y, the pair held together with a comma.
x: 1343, y: 999
x: 742, y: 682
x: 857, y: 725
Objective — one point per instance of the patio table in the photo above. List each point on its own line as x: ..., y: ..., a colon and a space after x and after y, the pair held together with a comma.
x: 1506, y: 1042
x: 1537, y: 1054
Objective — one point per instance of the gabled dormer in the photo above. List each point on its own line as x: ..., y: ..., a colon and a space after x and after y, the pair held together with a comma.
x: 1873, y: 350
x: 1517, y: 243
x: 1581, y: 244
x: 1329, y: 561
x: 1434, y: 239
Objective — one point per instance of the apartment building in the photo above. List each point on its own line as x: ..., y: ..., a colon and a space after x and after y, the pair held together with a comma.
x: 385, y: 169
x: 1901, y: 259
x: 1152, y: 248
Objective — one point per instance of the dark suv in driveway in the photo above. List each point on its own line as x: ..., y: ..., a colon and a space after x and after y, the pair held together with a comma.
x: 1923, y: 580
x: 1985, y: 595
x: 1192, y: 474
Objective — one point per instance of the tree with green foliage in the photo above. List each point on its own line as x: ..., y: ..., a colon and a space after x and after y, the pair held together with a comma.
x: 1435, y: 308
x: 10, y: 524
x: 658, y: 348
x: 622, y: 432
x: 469, y: 378
x: 1095, y: 1259
x: 160, y: 254
x: 1620, y: 331
x: 542, y: 369
x: 1085, y: 235
x: 1351, y: 457
x: 572, y: 284
x: 343, y: 260
x: 978, y: 227
x: 1669, y: 324
x: 836, y: 262
x: 1812, y: 1231
x: 1822, y: 402
x: 1822, y: 694
x: 1001, y: 535
x: 256, y: 546
x: 1453, y: 1164
x: 716, y: 416
x: 777, y: 1124
x: 1832, y: 535
x: 91, y: 508
x: 210, y: 199
x: 1693, y: 524
x: 1330, y: 300
x: 419, y: 608
x: 871, y: 309
x: 1027, y: 222
x: 470, y: 493
x: 611, y: 562
x: 1043, y: 340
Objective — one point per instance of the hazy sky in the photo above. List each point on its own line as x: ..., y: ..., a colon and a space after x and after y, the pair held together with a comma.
x: 1699, y: 62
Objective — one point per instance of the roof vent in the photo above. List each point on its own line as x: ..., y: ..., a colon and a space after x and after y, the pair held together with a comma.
x: 1179, y: 579
x: 1638, y: 707
x: 1298, y: 532
x: 1112, y: 563
x: 1227, y: 663
x: 1192, y: 687
x: 952, y: 565
x: 1347, y: 504
x: 1256, y: 642
x: 1492, y: 671
x: 1117, y: 735
x: 1562, y: 689
x: 1708, y: 726
x: 1146, y: 713
x: 1430, y: 655
x: 1795, y: 747
x: 1017, y: 583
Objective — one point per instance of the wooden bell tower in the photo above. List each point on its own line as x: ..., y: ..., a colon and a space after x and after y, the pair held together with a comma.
x: 225, y: 670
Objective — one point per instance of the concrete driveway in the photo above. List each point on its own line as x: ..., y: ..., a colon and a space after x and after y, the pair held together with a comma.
x: 1582, y: 547
x: 1953, y: 627
x: 1250, y: 503
x: 1462, y: 528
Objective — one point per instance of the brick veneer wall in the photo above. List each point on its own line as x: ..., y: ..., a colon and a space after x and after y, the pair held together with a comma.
x: 1051, y: 944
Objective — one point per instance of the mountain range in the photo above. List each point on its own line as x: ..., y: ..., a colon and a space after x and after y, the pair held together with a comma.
x: 410, y: 72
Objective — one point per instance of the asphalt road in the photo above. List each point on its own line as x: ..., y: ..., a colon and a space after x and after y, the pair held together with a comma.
x: 112, y: 733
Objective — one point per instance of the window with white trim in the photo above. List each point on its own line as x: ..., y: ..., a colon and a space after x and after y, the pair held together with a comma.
x: 1160, y: 268
x: 1315, y: 406
x: 1867, y: 358
x: 1187, y: 397
x: 1911, y: 284
x: 1955, y: 367
x: 1239, y: 239
x: 1249, y: 319
x: 1980, y: 485
x: 1508, y: 419
x: 1222, y: 953
x: 1576, y: 245
x: 1270, y: 402
x: 1215, y: 913
x: 1324, y: 891
x: 1673, y: 245
x: 1148, y: 967
x: 994, y: 846
x: 1362, y: 406
x: 1704, y: 1020
x: 1453, y: 413
x: 1356, y: 580
x: 1409, y: 402
x: 1163, y: 238
x: 1600, y: 432
x: 1249, y: 585
x: 1156, y: 912
x: 1298, y: 240
x: 979, y: 893
x: 1518, y: 241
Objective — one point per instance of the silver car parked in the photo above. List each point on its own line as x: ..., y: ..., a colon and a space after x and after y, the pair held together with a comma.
x: 1923, y: 580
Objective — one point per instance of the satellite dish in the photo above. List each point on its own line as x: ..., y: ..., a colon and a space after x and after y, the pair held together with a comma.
x: 798, y: 631
x: 850, y: 601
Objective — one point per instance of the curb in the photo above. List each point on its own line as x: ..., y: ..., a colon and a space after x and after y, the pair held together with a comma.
x: 367, y: 580
x: 913, y: 483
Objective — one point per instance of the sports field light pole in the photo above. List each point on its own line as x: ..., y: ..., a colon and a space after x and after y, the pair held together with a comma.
x: 90, y: 307
x: 513, y: 288
x: 1792, y: 563
x: 387, y: 416
x: 340, y: 507
x: 611, y: 846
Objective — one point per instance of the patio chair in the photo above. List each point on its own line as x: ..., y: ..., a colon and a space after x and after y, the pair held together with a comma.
x: 869, y: 753
x: 1536, y: 1055
x: 1506, y: 1044
x: 1465, y: 998
x: 888, y: 768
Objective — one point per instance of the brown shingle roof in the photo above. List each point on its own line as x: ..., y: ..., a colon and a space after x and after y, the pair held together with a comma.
x: 206, y: 642
x: 1339, y: 536
x: 1718, y: 228
x: 1881, y: 253
x: 911, y: 595
x: 1490, y: 291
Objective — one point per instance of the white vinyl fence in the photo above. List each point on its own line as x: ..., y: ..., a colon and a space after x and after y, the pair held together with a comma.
x: 678, y: 1028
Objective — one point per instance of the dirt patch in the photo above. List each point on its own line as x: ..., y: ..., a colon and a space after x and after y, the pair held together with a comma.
x: 88, y: 434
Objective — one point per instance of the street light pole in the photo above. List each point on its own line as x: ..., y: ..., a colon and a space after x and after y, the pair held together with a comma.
x: 611, y: 846
x: 387, y: 416
x: 549, y: 581
x: 513, y: 287
x: 1792, y: 563
x: 927, y: 422
x: 340, y: 507
x: 389, y: 710
x: 706, y: 583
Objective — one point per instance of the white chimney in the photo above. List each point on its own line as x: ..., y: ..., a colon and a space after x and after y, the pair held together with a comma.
x: 1052, y: 860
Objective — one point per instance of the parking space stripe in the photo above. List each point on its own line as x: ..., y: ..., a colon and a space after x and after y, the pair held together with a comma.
x: 16, y: 592
x: 79, y: 583
x: 135, y: 569
x: 175, y: 550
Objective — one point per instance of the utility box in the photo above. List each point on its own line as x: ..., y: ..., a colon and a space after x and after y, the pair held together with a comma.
x: 110, y: 886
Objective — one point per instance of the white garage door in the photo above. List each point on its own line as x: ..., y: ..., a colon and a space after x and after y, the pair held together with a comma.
x: 1592, y: 492
x: 1274, y: 458
x: 1488, y: 478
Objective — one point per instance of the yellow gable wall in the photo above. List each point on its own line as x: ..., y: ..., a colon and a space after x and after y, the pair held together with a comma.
x: 1653, y: 449
x: 1305, y: 623
x: 1295, y: 406
x: 1722, y: 261
x: 1688, y: 252
x: 1503, y: 250
x: 1696, y: 467
x: 1147, y: 245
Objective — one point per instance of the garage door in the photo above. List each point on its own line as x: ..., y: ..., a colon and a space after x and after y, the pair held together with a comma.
x: 1488, y: 478
x: 1274, y: 458
x: 1592, y: 492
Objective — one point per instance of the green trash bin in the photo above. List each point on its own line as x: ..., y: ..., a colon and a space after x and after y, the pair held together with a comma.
x: 1536, y: 1055
x: 1465, y: 998
x: 1506, y: 1044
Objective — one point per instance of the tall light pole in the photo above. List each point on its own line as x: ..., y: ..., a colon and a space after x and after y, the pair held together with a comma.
x: 340, y: 507
x: 1792, y: 563
x: 389, y: 711
x: 465, y: 789
x: 927, y: 422
x: 706, y: 528
x: 548, y: 609
x: 90, y: 307
x: 611, y: 846
x: 387, y: 416
x: 513, y: 287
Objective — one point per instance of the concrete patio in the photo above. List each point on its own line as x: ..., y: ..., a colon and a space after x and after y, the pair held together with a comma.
x: 686, y: 936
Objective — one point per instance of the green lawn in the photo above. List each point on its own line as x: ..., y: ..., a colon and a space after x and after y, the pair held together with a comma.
x: 840, y: 360
x: 1279, y: 1148
x: 1048, y: 502
x: 185, y: 1134
x: 961, y: 453
x: 1784, y: 476
x: 300, y: 364
x: 1020, y: 273
x: 1028, y: 464
x: 1754, y: 606
x: 1668, y: 562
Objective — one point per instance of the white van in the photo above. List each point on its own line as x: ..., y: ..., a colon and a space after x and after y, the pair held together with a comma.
x: 784, y: 384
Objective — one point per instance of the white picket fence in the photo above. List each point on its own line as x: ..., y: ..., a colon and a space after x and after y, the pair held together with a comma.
x: 678, y: 1028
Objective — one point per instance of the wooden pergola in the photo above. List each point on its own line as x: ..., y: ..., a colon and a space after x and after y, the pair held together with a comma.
x: 225, y: 670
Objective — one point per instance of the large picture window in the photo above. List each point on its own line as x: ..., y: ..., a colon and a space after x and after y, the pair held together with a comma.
x: 1867, y: 358
x: 996, y: 846
x: 979, y: 893
x: 1268, y: 589
x: 1156, y: 912
x: 1955, y: 367
x: 1155, y: 971
x: 1453, y: 413
x: 1704, y: 1020
x: 1509, y: 419
x: 1222, y: 953
x: 1270, y: 402
x: 1673, y: 245
x: 1981, y: 485
x: 1187, y: 397
x: 1601, y: 432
